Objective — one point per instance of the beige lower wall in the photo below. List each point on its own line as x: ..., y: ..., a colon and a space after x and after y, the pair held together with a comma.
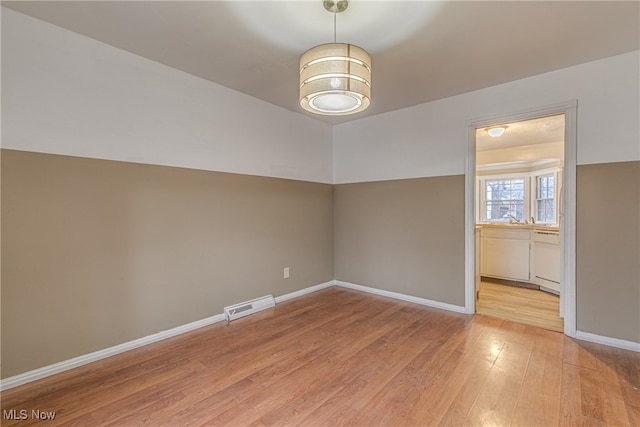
x: 608, y: 250
x: 96, y: 253
x: 407, y: 236
x: 404, y: 236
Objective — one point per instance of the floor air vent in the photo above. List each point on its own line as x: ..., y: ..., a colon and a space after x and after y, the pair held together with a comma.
x: 249, y: 307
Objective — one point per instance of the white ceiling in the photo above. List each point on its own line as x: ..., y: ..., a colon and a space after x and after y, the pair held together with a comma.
x: 421, y: 50
x: 532, y: 132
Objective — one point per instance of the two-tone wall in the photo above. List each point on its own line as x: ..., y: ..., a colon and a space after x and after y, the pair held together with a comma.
x: 137, y: 198
x: 407, y: 154
x: 96, y: 253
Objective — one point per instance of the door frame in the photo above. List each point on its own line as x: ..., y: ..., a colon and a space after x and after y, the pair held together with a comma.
x: 567, y: 204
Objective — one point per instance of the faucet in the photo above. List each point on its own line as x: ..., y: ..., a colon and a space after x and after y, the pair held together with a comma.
x: 513, y: 219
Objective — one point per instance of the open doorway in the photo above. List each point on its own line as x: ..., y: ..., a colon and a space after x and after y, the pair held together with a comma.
x: 566, y: 208
x: 518, y: 184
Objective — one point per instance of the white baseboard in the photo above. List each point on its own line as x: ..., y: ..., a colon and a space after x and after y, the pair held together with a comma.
x: 65, y: 365
x: 403, y: 297
x: 584, y: 336
x: 611, y: 342
x: 304, y: 291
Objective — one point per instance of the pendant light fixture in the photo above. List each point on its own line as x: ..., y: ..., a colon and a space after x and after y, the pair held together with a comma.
x: 335, y: 78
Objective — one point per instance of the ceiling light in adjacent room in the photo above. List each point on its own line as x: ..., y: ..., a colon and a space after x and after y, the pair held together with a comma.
x: 496, y: 131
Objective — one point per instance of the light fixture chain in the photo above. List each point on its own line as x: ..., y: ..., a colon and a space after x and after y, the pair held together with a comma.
x: 334, y: 27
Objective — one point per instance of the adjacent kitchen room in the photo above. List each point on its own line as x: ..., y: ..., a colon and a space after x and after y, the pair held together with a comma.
x: 518, y: 215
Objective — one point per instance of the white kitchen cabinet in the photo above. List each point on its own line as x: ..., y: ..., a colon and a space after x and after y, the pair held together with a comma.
x: 547, y: 260
x: 506, y: 254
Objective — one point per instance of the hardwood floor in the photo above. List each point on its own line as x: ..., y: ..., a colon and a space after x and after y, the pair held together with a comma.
x: 523, y: 305
x: 341, y: 357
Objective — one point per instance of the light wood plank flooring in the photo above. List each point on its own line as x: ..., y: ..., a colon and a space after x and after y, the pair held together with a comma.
x: 523, y: 305
x: 342, y: 357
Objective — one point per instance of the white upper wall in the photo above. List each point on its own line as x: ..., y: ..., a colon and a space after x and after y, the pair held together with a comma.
x: 63, y: 93
x: 524, y: 153
x: 431, y: 139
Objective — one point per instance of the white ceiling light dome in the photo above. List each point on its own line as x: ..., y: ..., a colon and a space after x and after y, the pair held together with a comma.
x: 496, y: 131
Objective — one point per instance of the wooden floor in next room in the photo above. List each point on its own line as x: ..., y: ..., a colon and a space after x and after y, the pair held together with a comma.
x: 530, y: 306
x: 343, y: 357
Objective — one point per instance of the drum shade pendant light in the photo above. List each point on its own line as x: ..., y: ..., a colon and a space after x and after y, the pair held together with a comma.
x: 335, y: 78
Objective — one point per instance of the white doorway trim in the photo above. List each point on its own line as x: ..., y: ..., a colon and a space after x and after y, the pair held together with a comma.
x: 567, y: 208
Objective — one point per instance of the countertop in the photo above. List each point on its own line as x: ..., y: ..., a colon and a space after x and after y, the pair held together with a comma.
x: 519, y: 226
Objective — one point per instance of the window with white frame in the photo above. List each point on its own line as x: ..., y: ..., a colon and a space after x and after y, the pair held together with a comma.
x: 504, y: 199
x: 519, y: 196
x: 545, y: 199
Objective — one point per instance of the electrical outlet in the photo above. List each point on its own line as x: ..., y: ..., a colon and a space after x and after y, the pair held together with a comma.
x: 286, y: 272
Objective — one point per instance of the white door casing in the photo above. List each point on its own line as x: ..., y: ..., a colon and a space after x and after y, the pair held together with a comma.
x: 567, y: 205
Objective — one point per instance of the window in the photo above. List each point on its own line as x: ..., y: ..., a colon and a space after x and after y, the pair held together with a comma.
x: 522, y: 196
x: 504, y: 199
x: 545, y: 199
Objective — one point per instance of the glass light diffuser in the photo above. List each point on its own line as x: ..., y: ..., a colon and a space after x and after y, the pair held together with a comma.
x: 335, y: 79
x: 497, y: 131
